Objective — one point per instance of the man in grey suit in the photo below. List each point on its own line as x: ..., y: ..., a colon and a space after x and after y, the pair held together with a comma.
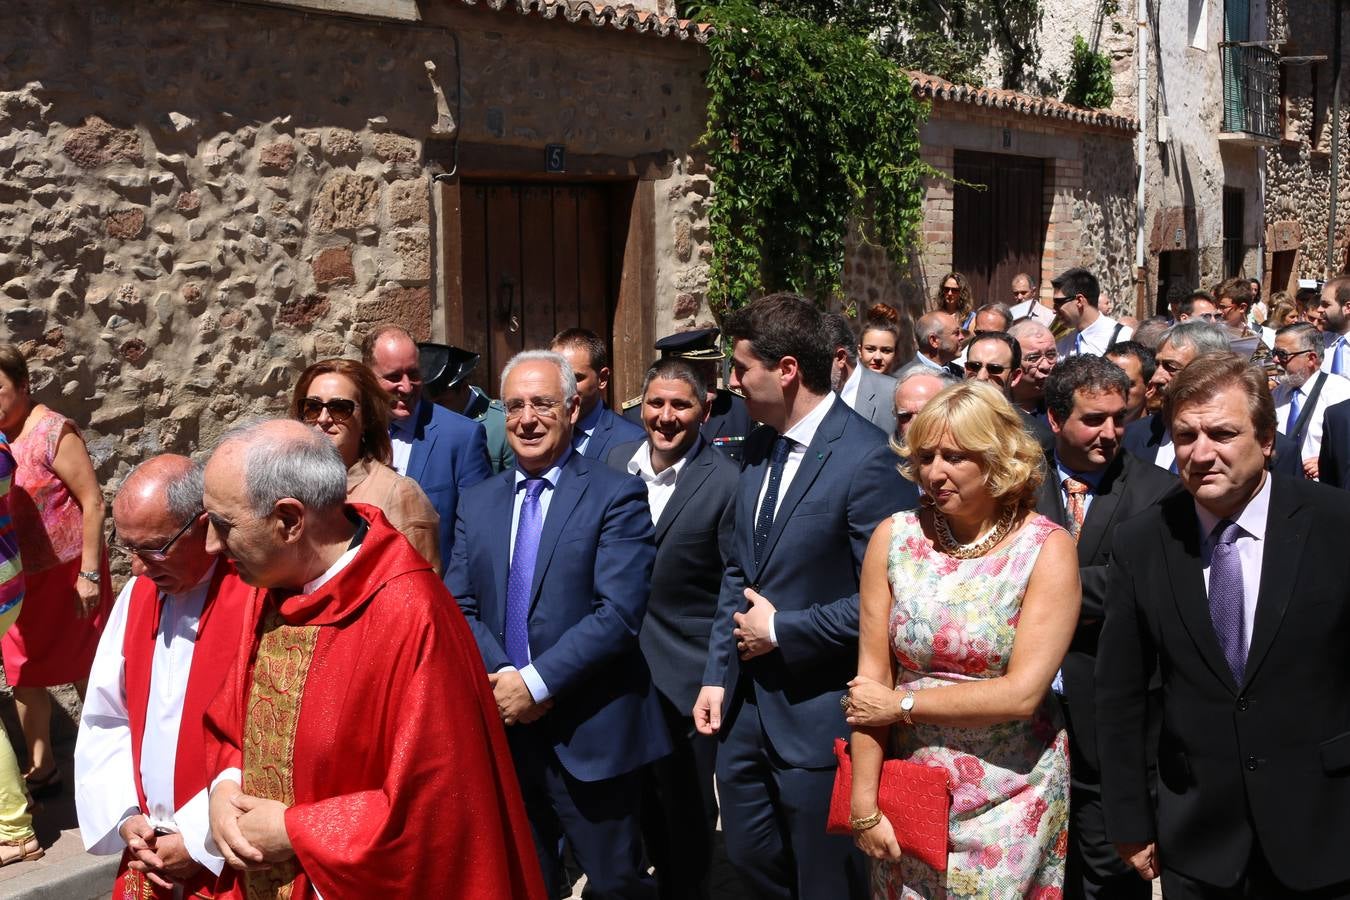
x: 868, y: 393
x: 691, y: 488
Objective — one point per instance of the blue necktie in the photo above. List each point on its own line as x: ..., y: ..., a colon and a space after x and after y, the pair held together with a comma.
x: 1337, y: 366
x: 1294, y: 405
x: 764, y: 521
x: 519, y: 582
x: 1226, y: 597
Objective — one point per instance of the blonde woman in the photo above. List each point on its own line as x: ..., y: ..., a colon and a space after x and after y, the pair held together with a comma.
x: 967, y: 609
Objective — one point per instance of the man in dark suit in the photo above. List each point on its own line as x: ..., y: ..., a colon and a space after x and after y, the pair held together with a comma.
x: 867, y: 392
x: 728, y: 422
x: 597, y: 429
x: 1179, y: 346
x: 1333, y: 462
x: 1234, y: 591
x: 551, y: 568
x: 1092, y: 486
x: 817, y: 480
x: 444, y: 452
x: 691, y: 487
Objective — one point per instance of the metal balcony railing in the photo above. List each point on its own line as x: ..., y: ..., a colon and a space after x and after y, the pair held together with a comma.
x: 1251, y: 90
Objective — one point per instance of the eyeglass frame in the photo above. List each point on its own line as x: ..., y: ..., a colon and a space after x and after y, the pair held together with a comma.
x: 156, y: 556
x: 548, y: 412
x: 973, y: 367
x: 327, y: 405
x: 1284, y: 356
x: 1036, y: 357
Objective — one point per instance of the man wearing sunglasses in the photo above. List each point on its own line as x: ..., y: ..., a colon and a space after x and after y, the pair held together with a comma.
x: 996, y: 357
x: 1301, y: 400
x: 1076, y: 296
x: 140, y: 775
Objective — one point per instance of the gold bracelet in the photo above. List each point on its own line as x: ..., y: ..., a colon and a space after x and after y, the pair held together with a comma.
x: 865, y: 822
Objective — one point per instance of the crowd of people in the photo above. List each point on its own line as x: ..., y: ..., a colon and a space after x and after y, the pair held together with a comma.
x: 410, y: 638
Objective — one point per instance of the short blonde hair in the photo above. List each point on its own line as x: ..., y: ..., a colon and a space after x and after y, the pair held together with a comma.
x: 982, y: 422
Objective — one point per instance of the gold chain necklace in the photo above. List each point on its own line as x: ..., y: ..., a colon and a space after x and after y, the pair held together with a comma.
x: 948, y: 544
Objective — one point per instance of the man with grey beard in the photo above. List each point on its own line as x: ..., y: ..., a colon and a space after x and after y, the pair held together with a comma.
x: 1301, y: 400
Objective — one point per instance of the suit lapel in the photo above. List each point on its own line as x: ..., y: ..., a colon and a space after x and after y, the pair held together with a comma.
x: 571, y: 485
x: 813, y: 460
x: 424, y: 439
x: 867, y: 396
x: 1101, y: 515
x: 1049, y: 503
x: 1286, y: 532
x: 497, y: 521
x: 695, y: 473
x: 1181, y: 547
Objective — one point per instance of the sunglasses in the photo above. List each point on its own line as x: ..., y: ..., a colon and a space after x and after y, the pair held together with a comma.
x: 156, y: 556
x: 1283, y: 356
x: 994, y: 369
x: 903, y: 416
x: 339, y: 409
x: 951, y: 290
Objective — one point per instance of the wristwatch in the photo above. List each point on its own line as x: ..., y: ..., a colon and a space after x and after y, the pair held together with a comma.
x: 907, y: 706
x: 91, y: 576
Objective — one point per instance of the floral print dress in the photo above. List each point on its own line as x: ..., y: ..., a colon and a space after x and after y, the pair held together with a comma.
x: 954, y: 620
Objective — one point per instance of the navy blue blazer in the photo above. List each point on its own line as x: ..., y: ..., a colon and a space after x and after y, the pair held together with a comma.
x: 589, y: 596
x: 609, y: 432
x: 846, y: 485
x: 1333, y: 463
x: 449, y: 455
x: 1143, y: 436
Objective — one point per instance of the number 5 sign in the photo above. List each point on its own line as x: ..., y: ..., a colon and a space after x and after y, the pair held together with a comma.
x: 555, y: 158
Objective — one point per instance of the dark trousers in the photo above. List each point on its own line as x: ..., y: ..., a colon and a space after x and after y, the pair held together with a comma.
x: 600, y: 820
x: 1094, y: 870
x: 773, y: 820
x: 1256, y: 883
x: 679, y: 810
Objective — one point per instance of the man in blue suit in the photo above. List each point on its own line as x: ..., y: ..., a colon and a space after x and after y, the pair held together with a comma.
x: 444, y: 452
x: 551, y: 567
x: 784, y: 643
x: 598, y: 429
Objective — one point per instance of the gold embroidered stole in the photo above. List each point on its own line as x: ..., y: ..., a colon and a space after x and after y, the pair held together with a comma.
x: 270, y: 722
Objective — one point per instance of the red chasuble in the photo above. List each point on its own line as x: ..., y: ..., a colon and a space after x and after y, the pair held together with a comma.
x: 364, y: 707
x: 219, y: 632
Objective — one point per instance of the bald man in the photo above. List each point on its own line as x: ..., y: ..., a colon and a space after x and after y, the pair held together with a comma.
x: 140, y: 775
x: 915, y: 390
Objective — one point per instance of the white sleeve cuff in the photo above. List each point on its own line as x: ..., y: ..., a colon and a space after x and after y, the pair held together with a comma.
x: 235, y: 775
x: 194, y: 824
x: 538, y: 690
x: 773, y: 633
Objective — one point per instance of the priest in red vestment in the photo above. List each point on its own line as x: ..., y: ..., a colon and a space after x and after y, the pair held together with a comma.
x: 355, y: 745
x: 140, y: 777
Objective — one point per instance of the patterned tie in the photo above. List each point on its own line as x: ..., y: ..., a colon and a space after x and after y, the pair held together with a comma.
x: 764, y: 521
x: 1294, y: 404
x: 1226, y: 597
x: 518, y: 583
x: 1076, y: 491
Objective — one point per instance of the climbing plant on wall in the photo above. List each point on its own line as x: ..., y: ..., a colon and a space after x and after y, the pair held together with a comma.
x: 809, y: 128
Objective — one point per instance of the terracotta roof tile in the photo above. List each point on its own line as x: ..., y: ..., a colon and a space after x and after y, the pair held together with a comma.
x: 602, y: 15
x: 933, y: 88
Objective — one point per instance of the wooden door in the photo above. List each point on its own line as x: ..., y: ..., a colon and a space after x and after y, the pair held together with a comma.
x: 999, y: 231
x: 536, y: 258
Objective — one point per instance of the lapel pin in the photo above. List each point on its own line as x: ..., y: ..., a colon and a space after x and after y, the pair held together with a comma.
x: 820, y: 455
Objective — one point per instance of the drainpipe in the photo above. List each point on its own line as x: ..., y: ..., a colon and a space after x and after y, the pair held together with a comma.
x: 1335, y: 141
x: 1141, y: 149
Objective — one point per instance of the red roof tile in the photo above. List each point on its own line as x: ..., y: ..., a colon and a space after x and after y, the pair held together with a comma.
x: 930, y: 87
x: 601, y: 15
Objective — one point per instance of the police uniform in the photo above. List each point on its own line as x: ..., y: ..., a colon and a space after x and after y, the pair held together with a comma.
x: 444, y: 367
x: 728, y: 420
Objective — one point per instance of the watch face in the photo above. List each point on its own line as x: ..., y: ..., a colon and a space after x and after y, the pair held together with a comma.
x: 908, y: 703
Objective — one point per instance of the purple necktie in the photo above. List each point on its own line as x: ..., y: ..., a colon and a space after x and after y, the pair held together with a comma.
x: 1226, y: 597
x: 520, y: 580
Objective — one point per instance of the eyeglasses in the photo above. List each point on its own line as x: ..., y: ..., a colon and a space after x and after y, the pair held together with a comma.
x: 950, y: 290
x: 544, y: 407
x: 340, y: 409
x: 994, y: 369
x: 1060, y: 301
x: 156, y: 556
x: 903, y: 416
x: 1033, y: 359
x: 1209, y: 317
x: 1283, y: 356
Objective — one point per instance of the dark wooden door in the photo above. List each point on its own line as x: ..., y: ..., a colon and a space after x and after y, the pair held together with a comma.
x: 537, y: 258
x: 998, y: 231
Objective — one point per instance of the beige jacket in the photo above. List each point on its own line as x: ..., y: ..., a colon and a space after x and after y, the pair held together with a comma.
x: 402, y: 502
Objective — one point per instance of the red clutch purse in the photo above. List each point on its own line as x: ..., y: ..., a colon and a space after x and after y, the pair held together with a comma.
x: 914, y: 798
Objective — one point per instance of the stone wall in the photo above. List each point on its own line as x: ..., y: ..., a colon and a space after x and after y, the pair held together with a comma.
x: 198, y: 199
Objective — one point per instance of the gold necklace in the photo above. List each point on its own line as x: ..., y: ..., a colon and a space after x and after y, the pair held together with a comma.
x: 948, y: 544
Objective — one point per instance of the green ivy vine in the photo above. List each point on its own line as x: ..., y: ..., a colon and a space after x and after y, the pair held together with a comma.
x: 809, y: 129
x: 1089, y: 77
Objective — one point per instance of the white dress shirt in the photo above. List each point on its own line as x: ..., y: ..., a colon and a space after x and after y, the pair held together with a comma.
x: 1095, y: 338
x: 401, y: 440
x: 1167, y: 452
x: 849, y: 392
x: 801, y: 434
x: 1334, y: 390
x: 105, y: 790
x: 538, y: 690
x: 660, y: 485
x: 581, y: 434
x: 1250, y: 547
x: 1337, y: 345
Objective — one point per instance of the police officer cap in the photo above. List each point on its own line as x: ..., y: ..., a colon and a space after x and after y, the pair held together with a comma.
x: 698, y: 345
x: 443, y: 366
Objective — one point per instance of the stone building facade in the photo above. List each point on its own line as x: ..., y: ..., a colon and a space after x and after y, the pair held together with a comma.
x: 1299, y: 169
x: 198, y: 198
